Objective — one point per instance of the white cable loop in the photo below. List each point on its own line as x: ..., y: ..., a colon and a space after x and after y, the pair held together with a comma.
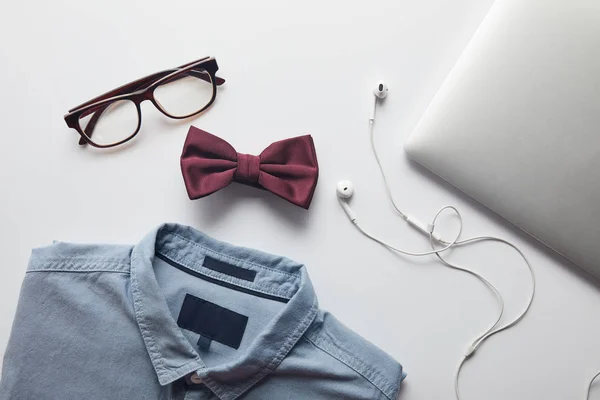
x: 493, y: 329
x: 409, y: 253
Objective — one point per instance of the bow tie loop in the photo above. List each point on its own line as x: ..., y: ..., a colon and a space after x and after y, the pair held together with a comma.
x: 248, y: 169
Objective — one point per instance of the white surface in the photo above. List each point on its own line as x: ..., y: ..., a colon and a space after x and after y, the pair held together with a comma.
x: 516, y: 123
x: 289, y: 70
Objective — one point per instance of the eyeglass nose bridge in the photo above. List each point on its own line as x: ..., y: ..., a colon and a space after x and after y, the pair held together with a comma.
x: 141, y: 96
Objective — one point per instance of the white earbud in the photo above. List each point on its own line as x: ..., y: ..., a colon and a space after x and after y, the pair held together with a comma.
x: 345, y: 190
x: 380, y: 91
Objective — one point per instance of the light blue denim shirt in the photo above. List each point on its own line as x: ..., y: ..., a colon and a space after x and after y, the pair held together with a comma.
x: 182, y: 316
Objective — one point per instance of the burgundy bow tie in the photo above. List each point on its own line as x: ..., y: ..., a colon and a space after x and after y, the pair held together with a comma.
x: 287, y: 168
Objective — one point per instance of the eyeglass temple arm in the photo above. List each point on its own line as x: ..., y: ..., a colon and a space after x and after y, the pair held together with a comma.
x: 142, y: 82
x: 133, y: 86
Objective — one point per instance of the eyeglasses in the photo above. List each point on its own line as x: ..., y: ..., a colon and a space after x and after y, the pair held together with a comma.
x: 115, y: 117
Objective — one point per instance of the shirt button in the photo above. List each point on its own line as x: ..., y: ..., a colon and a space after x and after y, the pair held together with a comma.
x: 195, y: 379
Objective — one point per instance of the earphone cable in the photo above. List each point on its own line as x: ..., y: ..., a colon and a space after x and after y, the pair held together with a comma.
x: 448, y: 245
x: 589, y: 389
x: 493, y: 330
x: 383, y: 175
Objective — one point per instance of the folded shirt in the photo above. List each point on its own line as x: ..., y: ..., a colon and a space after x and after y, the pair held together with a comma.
x: 182, y: 316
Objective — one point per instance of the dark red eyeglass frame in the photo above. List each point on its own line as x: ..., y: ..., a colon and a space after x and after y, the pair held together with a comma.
x: 139, y: 91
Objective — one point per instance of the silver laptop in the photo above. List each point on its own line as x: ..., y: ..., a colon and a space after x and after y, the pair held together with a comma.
x: 516, y: 125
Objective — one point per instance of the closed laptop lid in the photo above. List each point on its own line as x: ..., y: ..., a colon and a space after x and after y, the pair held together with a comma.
x: 516, y: 125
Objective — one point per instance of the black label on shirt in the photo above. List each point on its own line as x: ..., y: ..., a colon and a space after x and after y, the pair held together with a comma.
x: 228, y: 269
x: 212, y: 321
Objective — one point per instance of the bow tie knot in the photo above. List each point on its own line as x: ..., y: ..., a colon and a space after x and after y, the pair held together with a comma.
x: 247, y: 169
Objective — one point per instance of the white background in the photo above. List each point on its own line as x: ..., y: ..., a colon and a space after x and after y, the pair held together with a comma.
x: 291, y: 68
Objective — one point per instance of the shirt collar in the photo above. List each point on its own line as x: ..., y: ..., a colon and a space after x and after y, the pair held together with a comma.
x: 172, y: 354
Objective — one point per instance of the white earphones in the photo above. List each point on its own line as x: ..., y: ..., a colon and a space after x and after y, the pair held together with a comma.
x: 380, y: 91
x: 345, y: 190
